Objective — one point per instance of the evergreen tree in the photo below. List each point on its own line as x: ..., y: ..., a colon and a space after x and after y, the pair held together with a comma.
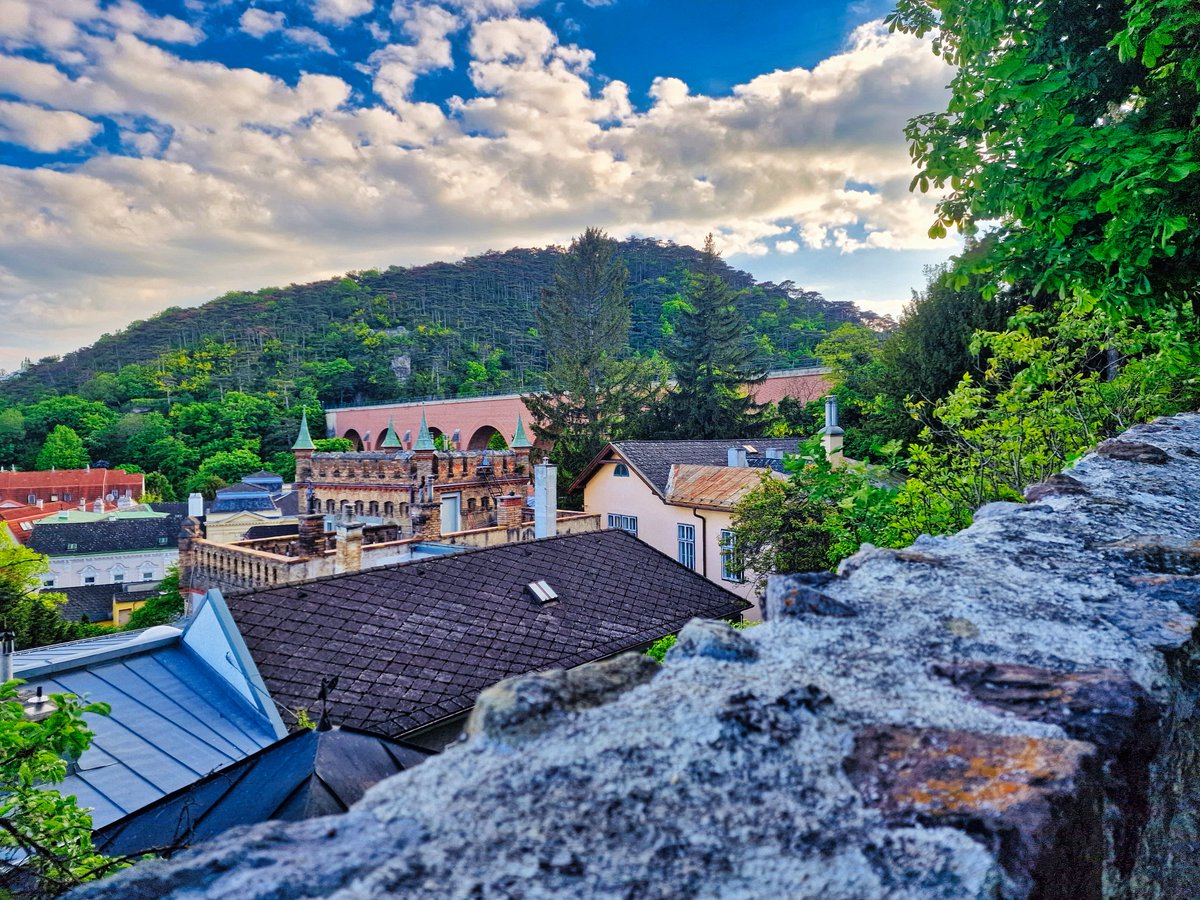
x: 713, y: 360
x: 594, y: 391
x: 63, y: 449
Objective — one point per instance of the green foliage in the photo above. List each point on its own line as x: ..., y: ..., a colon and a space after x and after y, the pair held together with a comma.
x: 49, y: 830
x: 333, y: 445
x: 1073, y: 124
x: 164, y: 607
x: 594, y: 390
x: 158, y: 488
x: 31, y: 616
x: 226, y: 466
x: 63, y: 449
x: 712, y: 358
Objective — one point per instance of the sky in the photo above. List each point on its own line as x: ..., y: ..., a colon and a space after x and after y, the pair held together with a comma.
x: 160, y: 154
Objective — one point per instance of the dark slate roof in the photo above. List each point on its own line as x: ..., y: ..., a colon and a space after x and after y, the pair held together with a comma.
x: 255, y: 532
x: 172, y: 507
x: 653, y: 459
x: 243, y: 487
x: 304, y: 775
x: 115, y: 536
x: 415, y: 643
x: 91, y: 600
x: 288, y: 503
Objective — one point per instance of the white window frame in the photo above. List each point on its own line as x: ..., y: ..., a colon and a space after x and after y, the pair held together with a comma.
x: 735, y: 573
x: 685, y: 538
x: 622, y: 522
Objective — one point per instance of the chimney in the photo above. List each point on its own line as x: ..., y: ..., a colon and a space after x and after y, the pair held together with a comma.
x: 508, y: 510
x: 545, y: 499
x: 196, y: 506
x: 736, y: 457
x: 312, y: 535
x: 41, y: 504
x: 831, y: 434
x: 82, y: 507
x: 348, y: 557
x: 8, y: 646
x: 98, y: 506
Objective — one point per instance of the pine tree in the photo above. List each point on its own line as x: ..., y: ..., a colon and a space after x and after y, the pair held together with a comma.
x: 594, y: 390
x: 713, y: 361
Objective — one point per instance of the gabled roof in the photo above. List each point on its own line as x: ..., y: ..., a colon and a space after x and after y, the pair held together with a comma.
x: 118, y: 535
x: 175, y: 716
x: 306, y: 774
x: 653, y: 459
x: 415, y: 643
x: 712, y: 487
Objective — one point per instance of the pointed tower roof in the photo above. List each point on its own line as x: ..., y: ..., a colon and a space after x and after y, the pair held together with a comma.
x: 521, y: 440
x: 390, y: 441
x: 424, y: 438
x: 304, y: 440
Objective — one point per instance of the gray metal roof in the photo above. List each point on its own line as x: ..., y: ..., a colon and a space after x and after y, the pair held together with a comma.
x: 174, y: 719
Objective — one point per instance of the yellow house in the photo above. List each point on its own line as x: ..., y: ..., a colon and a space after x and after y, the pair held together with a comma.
x: 679, y: 496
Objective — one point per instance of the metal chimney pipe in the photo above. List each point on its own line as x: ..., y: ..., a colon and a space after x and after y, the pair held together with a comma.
x: 8, y: 646
x: 831, y: 411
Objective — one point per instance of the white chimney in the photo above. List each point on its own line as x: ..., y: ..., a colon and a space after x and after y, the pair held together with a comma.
x: 98, y: 506
x: 196, y: 506
x: 736, y: 457
x: 545, y: 499
x: 831, y: 434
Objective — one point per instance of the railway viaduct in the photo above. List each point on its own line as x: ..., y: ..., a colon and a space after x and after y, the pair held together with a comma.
x: 470, y: 422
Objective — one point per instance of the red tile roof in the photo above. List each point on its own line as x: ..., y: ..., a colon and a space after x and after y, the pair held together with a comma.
x: 81, y: 484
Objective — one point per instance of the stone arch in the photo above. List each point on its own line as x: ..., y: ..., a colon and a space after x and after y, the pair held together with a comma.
x: 483, y: 434
x: 355, y: 438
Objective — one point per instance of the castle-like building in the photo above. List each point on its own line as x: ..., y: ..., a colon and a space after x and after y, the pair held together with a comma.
x: 424, y: 491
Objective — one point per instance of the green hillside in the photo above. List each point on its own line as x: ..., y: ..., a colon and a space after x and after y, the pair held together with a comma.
x: 443, y: 329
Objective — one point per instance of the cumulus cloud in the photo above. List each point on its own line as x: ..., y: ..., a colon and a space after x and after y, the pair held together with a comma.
x: 43, y: 130
x: 237, y: 178
x: 340, y: 12
x: 259, y: 23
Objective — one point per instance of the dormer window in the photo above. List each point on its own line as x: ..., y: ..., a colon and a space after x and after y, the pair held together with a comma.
x: 72, y: 546
x: 162, y: 542
x: 620, y: 470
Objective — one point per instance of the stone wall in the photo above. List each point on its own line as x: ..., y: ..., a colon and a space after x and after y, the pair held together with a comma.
x: 1008, y: 712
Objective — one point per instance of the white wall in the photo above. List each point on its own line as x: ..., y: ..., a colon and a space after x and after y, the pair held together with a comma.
x: 71, y: 571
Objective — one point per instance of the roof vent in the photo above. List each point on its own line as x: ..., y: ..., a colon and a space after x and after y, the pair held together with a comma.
x: 542, y: 592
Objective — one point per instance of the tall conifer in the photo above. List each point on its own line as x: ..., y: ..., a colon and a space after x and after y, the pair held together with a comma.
x: 713, y: 360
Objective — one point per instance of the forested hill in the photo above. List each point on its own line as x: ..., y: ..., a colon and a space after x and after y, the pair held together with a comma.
x: 440, y: 329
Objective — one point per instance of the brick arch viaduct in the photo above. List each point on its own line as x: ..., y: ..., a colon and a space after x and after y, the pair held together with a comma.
x: 469, y: 422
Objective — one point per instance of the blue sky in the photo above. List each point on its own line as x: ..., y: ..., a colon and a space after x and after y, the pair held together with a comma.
x: 162, y: 153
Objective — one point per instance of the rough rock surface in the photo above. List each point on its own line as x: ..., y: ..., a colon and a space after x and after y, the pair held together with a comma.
x: 1008, y: 712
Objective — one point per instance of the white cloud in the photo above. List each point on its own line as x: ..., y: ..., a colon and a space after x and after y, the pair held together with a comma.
x: 43, y: 130
x: 340, y: 12
x: 259, y: 23
x: 249, y: 180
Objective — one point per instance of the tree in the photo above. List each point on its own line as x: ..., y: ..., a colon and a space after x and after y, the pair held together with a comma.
x: 164, y: 607
x: 227, y: 466
x: 12, y: 436
x: 594, y: 389
x: 712, y: 360
x: 46, y: 836
x: 1073, y: 124
x: 159, y: 487
x: 30, y: 615
x: 63, y: 449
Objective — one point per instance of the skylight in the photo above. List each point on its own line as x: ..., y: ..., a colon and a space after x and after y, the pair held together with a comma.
x: 542, y: 592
